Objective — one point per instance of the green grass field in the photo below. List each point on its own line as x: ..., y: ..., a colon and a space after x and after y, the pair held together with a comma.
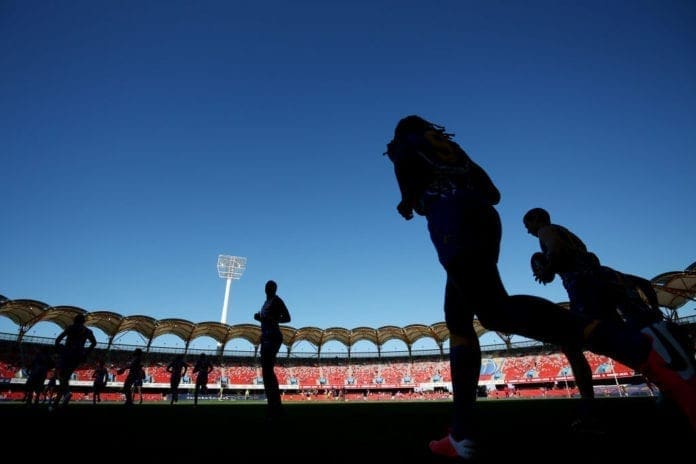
x: 326, y: 432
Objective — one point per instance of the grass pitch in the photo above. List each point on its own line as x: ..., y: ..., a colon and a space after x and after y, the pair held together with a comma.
x: 637, y: 429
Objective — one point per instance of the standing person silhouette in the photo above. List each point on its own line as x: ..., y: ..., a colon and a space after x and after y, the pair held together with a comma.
x: 138, y: 385
x: 100, y: 376
x: 437, y: 179
x: 71, y: 354
x: 39, y: 368
x: 203, y: 367
x: 272, y: 313
x: 135, y: 371
x: 600, y: 292
x: 51, y: 387
x: 177, y: 369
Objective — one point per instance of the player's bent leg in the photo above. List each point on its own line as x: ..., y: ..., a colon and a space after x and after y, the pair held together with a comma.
x: 670, y: 368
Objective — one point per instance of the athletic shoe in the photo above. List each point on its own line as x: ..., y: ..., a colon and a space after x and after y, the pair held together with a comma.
x: 449, y: 448
x: 671, y: 370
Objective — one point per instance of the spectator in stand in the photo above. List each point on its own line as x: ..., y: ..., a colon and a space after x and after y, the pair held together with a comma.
x: 203, y: 367
x: 177, y: 369
x: 71, y: 354
x: 100, y: 376
x: 273, y: 312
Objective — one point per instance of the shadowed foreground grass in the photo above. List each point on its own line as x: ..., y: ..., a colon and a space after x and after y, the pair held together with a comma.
x: 397, y: 432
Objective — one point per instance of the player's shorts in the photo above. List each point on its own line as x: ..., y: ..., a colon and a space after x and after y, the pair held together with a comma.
x: 466, y: 233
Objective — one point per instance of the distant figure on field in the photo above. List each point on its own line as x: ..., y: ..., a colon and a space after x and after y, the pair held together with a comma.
x: 203, y: 367
x: 177, y: 369
x: 100, y: 376
x: 135, y: 370
x: 71, y: 354
x: 38, y: 372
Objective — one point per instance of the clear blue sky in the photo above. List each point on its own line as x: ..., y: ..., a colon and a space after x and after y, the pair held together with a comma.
x: 140, y: 140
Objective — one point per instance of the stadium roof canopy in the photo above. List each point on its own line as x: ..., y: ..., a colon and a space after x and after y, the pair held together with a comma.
x: 27, y: 313
x: 674, y: 289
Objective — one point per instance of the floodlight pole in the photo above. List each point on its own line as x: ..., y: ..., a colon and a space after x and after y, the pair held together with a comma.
x: 229, y: 268
x: 223, y: 319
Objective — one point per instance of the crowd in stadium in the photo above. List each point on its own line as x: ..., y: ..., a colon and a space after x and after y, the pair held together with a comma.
x: 541, y: 374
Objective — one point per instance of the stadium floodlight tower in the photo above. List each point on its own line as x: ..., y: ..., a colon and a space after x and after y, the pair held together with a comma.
x: 229, y: 267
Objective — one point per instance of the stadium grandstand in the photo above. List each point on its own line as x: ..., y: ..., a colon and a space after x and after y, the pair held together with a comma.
x: 509, y: 369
